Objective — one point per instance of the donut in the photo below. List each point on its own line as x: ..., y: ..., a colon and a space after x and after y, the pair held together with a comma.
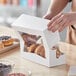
x: 7, y: 40
x: 1, y: 45
x: 32, y: 48
x: 40, y: 50
x: 28, y: 39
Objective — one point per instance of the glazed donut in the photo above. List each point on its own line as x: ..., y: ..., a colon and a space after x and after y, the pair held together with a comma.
x: 40, y: 50
x: 32, y: 48
x: 7, y: 40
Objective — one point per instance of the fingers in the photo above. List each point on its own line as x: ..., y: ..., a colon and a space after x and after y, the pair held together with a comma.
x: 66, y: 23
x: 52, y: 20
x: 59, y: 22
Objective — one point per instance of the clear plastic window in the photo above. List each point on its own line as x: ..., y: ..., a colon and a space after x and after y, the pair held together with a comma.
x: 33, y: 44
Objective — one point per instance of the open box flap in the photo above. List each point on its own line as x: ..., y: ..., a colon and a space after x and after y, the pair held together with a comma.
x: 31, y: 22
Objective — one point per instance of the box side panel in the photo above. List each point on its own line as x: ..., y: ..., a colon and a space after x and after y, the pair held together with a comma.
x: 56, y: 61
x: 35, y: 58
x: 50, y: 40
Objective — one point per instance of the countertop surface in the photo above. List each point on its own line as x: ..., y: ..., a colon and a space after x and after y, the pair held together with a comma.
x: 36, y: 69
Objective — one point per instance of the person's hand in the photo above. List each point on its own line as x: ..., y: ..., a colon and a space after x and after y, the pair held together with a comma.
x: 69, y: 50
x: 62, y: 20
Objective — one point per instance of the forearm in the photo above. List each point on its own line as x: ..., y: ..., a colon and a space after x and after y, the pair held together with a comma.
x: 57, y: 6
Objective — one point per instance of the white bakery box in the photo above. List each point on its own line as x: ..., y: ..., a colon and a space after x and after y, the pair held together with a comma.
x: 38, y: 26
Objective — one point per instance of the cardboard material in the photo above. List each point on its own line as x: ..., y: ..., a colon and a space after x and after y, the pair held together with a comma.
x: 38, y: 26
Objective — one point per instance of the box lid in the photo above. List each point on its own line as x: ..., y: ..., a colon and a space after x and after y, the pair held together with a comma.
x: 31, y: 22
